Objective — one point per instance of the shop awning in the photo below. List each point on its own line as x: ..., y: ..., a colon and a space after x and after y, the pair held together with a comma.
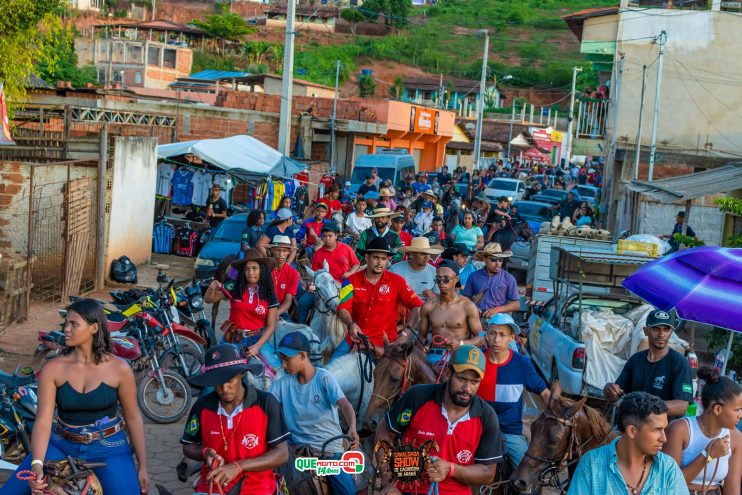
x: 690, y: 186
x: 244, y: 157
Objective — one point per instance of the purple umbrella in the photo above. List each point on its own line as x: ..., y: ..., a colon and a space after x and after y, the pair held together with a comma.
x: 702, y: 284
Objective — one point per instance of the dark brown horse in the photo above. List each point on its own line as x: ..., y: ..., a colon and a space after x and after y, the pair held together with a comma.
x: 559, y: 437
x: 402, y: 366
x: 220, y: 275
x: 507, y: 234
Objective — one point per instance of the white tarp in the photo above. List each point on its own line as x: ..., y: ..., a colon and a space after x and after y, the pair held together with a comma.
x: 242, y: 156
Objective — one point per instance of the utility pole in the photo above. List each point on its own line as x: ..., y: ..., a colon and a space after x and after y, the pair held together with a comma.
x: 287, y: 82
x: 661, y: 39
x: 606, y: 200
x: 480, y: 106
x: 567, y: 155
x: 333, y: 165
x: 639, y: 127
x: 440, y: 92
x: 512, y: 119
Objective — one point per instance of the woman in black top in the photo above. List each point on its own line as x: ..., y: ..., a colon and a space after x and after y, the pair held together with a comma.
x: 86, y: 384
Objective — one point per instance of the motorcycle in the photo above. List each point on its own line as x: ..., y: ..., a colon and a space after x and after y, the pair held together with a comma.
x: 18, y: 397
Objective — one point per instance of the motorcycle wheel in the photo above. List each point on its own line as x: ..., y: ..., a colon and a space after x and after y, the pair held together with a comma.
x: 164, y: 402
x: 189, y: 343
x: 193, y: 361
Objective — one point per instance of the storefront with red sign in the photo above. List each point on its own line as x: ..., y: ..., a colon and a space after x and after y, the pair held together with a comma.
x: 548, y: 146
x: 423, y: 132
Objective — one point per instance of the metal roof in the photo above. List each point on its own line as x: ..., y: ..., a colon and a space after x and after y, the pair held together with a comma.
x: 608, y: 256
x: 217, y: 75
x: 686, y: 187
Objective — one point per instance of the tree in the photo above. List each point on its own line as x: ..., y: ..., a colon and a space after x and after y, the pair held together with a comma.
x: 19, y: 44
x: 366, y: 86
x: 58, y: 59
x: 353, y: 17
x: 395, y: 12
x: 396, y: 90
x: 225, y: 26
x: 259, y: 52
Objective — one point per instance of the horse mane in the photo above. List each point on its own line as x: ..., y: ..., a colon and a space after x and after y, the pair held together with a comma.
x: 599, y: 427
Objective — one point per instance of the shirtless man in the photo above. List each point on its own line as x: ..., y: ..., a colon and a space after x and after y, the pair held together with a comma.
x: 452, y: 318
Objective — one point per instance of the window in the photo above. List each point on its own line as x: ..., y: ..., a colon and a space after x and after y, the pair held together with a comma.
x: 168, y: 60
x: 137, y: 77
x: 153, y: 55
x: 134, y: 54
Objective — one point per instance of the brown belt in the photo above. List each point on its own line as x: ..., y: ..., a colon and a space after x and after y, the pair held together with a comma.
x: 85, y: 436
x: 235, y: 335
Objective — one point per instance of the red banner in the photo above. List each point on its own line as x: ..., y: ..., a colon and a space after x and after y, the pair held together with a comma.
x: 5, y: 138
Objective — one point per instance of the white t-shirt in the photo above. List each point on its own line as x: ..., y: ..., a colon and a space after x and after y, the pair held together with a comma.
x: 357, y: 224
x: 201, y: 188
x: 165, y: 173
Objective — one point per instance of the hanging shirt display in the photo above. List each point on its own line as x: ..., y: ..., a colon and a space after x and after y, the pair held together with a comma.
x: 226, y: 183
x: 201, y: 188
x: 165, y: 173
x: 182, y: 187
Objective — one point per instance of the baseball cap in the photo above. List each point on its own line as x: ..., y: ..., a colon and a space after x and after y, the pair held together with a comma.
x: 330, y: 227
x: 398, y: 218
x: 292, y: 344
x: 450, y: 264
x: 321, y: 205
x: 427, y: 204
x: 469, y: 357
x: 284, y: 214
x: 658, y: 317
x: 504, y: 319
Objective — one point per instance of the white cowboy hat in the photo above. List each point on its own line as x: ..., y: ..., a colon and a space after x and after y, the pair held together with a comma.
x: 385, y: 193
x: 421, y: 245
x: 494, y: 250
x: 280, y: 241
x: 382, y: 212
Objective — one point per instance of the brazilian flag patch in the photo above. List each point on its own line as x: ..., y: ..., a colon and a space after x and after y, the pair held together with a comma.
x: 346, y: 291
x: 404, y: 417
x: 192, y: 425
x: 687, y: 388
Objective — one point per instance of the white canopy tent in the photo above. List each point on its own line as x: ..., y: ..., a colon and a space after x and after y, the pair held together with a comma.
x: 244, y: 157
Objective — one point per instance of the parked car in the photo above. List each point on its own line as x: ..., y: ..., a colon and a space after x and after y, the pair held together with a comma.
x: 219, y: 243
x: 391, y: 166
x: 513, y: 189
x: 590, y: 194
x: 536, y: 213
x: 555, y: 196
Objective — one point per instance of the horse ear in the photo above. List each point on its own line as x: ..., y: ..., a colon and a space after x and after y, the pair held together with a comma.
x: 408, y: 347
x: 556, y: 393
x: 325, y: 265
x: 575, y: 408
x: 386, y: 342
x: 308, y: 271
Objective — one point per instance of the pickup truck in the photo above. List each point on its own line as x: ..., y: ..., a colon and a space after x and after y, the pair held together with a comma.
x: 584, y: 279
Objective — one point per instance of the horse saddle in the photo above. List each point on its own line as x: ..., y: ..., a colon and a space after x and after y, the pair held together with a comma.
x: 297, y: 482
x: 73, y: 476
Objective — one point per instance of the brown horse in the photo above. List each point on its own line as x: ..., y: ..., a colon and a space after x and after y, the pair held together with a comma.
x: 561, y: 434
x: 220, y: 275
x: 403, y: 365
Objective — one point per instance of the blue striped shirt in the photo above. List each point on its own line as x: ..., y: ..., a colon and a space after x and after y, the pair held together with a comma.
x: 598, y: 473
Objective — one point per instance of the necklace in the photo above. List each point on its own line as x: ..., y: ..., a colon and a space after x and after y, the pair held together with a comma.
x: 635, y: 489
x: 226, y: 439
x: 703, y: 429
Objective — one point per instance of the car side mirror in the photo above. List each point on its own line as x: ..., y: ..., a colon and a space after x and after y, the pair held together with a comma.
x: 205, y: 236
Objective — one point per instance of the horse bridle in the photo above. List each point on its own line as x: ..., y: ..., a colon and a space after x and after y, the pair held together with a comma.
x: 326, y: 302
x: 549, y: 475
x: 407, y: 382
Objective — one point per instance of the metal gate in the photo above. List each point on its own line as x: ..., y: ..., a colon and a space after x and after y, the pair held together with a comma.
x: 62, y: 227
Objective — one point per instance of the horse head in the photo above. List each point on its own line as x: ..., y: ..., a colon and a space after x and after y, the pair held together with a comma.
x: 558, y: 437
x: 402, y: 365
x: 339, y: 219
x: 327, y: 288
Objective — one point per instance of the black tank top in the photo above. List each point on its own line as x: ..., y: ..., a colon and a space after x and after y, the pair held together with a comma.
x: 76, y: 408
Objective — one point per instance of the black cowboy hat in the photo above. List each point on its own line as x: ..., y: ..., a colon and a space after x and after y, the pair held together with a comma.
x: 378, y: 245
x: 254, y: 255
x: 457, y: 248
x: 223, y: 362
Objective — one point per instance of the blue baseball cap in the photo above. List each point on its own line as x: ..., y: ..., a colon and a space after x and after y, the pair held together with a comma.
x: 504, y: 319
x: 427, y: 204
x: 292, y: 344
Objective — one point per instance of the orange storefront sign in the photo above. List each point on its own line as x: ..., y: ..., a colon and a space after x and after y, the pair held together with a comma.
x: 423, y: 120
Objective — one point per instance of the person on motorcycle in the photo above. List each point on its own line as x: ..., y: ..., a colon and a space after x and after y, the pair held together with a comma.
x: 310, y: 398
x: 332, y: 199
x: 285, y: 276
x: 380, y: 228
x: 309, y: 233
x: 87, y: 385
x: 357, y: 221
x: 280, y: 226
x: 253, y: 306
x: 237, y: 430
x: 424, y: 219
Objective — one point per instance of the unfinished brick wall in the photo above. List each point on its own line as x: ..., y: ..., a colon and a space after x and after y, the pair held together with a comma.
x: 13, y: 207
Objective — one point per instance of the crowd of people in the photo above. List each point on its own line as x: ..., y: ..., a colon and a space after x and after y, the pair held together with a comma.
x: 414, y: 268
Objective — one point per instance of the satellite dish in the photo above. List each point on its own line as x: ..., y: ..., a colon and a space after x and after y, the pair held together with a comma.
x: 470, y: 127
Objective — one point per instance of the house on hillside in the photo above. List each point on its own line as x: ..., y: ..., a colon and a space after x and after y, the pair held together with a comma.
x: 459, y: 95
x: 496, y: 134
x: 308, y: 17
x: 85, y: 5
x: 698, y: 127
x: 159, y: 30
x: 212, y: 81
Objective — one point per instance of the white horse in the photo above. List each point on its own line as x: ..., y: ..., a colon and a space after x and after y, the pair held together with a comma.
x: 325, y: 322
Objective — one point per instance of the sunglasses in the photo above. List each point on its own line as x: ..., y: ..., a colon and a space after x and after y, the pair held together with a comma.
x: 442, y: 280
x: 495, y: 260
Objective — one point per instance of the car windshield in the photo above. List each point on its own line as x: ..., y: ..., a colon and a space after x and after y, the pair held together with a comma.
x: 229, y: 231
x: 557, y: 193
x: 360, y: 174
x: 587, y: 191
x: 534, y: 210
x: 503, y: 185
x: 619, y: 307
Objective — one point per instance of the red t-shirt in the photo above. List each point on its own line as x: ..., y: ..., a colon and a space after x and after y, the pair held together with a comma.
x: 373, y: 307
x: 250, y: 433
x: 405, y: 237
x: 285, y: 281
x: 250, y: 312
x: 334, y: 204
x: 316, y: 227
x: 339, y: 259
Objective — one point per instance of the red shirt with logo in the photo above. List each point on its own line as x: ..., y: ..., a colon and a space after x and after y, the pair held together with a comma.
x: 419, y: 416
x: 250, y: 312
x: 316, y: 226
x: 333, y: 204
x: 250, y: 431
x: 339, y: 260
x: 373, y: 307
x: 285, y: 281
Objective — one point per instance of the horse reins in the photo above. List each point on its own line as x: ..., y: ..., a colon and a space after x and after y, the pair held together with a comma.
x: 365, y: 366
x: 407, y: 382
x: 443, y: 361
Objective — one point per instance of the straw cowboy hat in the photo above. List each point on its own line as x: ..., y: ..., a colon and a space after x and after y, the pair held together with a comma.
x: 492, y: 250
x: 280, y: 241
x: 431, y: 193
x: 385, y: 193
x: 421, y: 245
x: 382, y: 212
x: 254, y: 255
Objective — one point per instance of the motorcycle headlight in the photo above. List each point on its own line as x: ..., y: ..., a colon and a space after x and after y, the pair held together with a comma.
x: 197, y: 302
x: 204, y: 262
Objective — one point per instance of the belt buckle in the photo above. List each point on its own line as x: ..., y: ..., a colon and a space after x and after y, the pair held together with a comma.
x: 88, y: 436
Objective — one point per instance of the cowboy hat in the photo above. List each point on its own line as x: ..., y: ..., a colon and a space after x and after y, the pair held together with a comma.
x: 382, y: 211
x: 378, y: 245
x: 492, y: 250
x: 222, y: 363
x: 431, y: 193
x: 421, y: 245
x: 457, y: 248
x: 253, y: 254
x: 385, y: 193
x: 280, y: 241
